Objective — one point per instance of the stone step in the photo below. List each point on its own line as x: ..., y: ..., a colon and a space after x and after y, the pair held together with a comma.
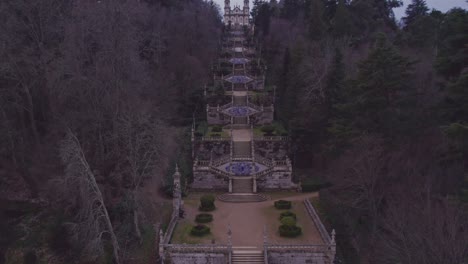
x: 242, y: 185
x: 242, y: 149
x: 240, y: 100
x: 247, y: 257
x: 242, y: 197
x: 240, y: 120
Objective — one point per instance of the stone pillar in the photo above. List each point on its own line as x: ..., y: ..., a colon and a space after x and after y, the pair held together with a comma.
x: 177, y: 196
x: 254, y: 184
x: 230, y: 185
x: 161, y: 244
x: 332, y: 247
x: 193, y: 141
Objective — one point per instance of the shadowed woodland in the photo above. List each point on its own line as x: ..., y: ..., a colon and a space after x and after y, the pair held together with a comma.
x: 97, y: 98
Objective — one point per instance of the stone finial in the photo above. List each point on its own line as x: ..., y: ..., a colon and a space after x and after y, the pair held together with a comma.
x: 161, y: 236
x: 177, y: 173
x: 265, y: 236
x: 333, y: 237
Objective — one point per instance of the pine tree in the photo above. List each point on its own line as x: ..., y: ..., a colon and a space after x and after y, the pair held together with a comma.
x: 415, y: 10
x: 380, y: 89
x: 342, y: 22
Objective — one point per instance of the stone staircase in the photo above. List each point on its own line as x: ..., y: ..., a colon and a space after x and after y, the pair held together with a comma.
x: 247, y: 257
x: 240, y: 120
x: 242, y: 185
x: 242, y: 149
x: 239, y: 100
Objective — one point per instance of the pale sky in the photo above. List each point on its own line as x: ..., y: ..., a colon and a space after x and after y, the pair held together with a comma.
x: 442, y: 5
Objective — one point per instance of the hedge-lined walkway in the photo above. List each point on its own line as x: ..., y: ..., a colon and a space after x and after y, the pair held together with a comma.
x: 247, y: 221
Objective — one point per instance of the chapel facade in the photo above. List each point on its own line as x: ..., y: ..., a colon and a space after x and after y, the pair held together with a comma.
x: 236, y: 16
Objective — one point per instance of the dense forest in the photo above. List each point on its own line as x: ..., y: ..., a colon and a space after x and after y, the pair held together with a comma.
x: 378, y: 112
x: 96, y: 98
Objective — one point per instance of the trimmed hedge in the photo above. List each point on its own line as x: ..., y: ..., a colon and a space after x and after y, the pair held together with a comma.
x: 203, y: 218
x: 200, y: 230
x: 288, y: 220
x: 289, y: 231
x: 314, y: 185
x: 207, y: 203
x: 283, y: 204
x: 288, y: 214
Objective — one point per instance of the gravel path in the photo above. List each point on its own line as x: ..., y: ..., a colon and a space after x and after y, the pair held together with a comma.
x: 248, y: 220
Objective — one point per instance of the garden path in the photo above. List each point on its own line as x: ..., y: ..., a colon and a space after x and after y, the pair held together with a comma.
x: 247, y: 221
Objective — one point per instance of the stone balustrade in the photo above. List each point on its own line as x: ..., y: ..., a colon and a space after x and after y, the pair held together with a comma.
x: 202, y: 163
x: 298, y: 247
x: 318, y: 223
x: 212, y: 138
x: 198, y: 248
x: 271, y: 138
x: 220, y: 161
x: 170, y: 230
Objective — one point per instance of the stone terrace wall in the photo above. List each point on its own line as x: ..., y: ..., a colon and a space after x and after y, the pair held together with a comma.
x: 277, y: 180
x: 272, y: 149
x: 198, y: 258
x: 203, y: 149
x: 297, y: 258
x: 204, y: 179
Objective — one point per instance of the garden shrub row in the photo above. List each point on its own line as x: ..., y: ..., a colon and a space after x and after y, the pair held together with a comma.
x: 288, y: 219
x: 282, y: 204
x: 204, y: 218
x: 314, y: 185
x: 207, y: 203
x: 200, y: 230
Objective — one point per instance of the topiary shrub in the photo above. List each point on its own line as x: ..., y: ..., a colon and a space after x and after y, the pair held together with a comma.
x: 207, y: 203
x: 203, y: 218
x: 288, y: 220
x: 283, y: 204
x: 200, y: 230
x: 289, y: 231
x: 288, y: 214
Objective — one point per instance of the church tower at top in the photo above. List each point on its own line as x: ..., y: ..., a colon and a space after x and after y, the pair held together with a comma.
x: 236, y: 16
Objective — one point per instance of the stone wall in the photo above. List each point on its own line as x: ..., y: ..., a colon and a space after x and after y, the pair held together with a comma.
x: 277, y: 150
x: 277, y: 180
x: 297, y: 258
x: 203, y: 149
x: 198, y: 258
x: 214, y: 117
x: 262, y: 118
x: 204, y: 179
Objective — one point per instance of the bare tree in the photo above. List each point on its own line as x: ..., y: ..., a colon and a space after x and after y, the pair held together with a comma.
x: 142, y: 139
x: 417, y: 230
x: 80, y: 182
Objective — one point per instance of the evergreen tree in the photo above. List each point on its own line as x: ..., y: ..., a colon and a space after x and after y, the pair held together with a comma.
x: 291, y: 9
x: 453, y: 52
x: 335, y: 81
x: 342, y: 22
x: 380, y: 90
x: 415, y: 10
x: 317, y: 26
